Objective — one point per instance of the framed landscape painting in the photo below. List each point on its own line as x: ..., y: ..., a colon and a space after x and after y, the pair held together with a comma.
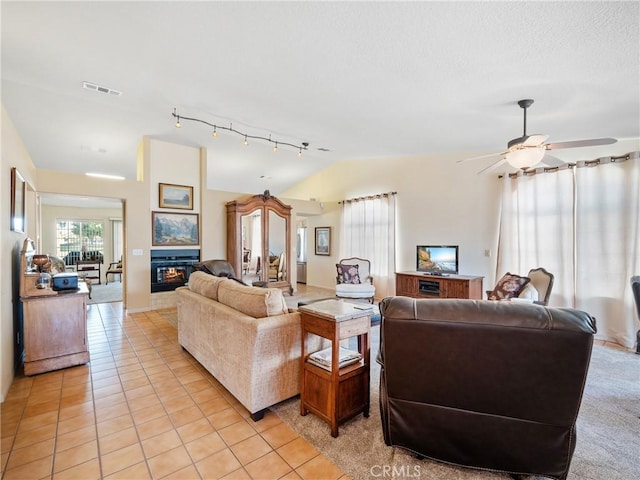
x: 323, y: 240
x: 176, y: 196
x: 171, y: 229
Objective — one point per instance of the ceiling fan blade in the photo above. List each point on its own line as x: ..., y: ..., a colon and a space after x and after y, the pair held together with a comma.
x: 493, y: 166
x: 478, y: 158
x: 534, y: 140
x: 581, y: 143
x: 552, y: 161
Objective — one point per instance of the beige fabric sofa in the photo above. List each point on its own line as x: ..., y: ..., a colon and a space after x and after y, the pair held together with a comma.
x: 246, y: 337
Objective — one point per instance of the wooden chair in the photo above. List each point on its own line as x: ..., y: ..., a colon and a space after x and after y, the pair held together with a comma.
x: 542, y: 281
x: 115, y: 268
x: 246, y: 261
x: 277, y: 267
x: 540, y: 285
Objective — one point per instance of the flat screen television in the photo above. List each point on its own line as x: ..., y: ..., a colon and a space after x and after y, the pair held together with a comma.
x: 437, y: 259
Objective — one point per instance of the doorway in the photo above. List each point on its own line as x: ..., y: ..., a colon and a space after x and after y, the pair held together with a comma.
x: 72, y: 226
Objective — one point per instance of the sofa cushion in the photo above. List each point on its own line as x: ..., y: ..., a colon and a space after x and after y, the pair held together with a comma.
x: 205, y: 284
x: 348, y: 273
x: 508, y: 286
x: 256, y: 302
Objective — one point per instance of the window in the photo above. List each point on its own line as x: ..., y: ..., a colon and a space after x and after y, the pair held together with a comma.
x: 368, y: 231
x: 581, y: 224
x: 79, y: 240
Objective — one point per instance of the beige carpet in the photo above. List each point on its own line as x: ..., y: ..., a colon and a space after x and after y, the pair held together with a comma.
x: 608, y: 438
x: 104, y: 293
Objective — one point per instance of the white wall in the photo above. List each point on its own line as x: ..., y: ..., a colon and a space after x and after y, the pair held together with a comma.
x: 14, y: 154
x: 438, y: 202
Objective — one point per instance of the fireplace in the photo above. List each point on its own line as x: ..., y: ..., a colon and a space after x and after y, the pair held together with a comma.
x: 170, y: 269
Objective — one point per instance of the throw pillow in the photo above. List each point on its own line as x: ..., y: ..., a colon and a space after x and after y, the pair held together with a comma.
x: 509, y: 286
x: 348, y: 273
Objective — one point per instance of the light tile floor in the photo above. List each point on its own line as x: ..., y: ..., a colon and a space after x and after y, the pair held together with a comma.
x: 143, y: 408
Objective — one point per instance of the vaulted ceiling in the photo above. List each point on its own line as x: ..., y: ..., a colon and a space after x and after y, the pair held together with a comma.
x: 355, y: 80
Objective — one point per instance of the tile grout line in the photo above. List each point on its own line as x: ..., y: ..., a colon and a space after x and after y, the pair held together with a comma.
x: 122, y: 327
x: 259, y: 433
x: 243, y: 419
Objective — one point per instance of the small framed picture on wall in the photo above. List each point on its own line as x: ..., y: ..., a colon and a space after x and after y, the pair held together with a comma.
x: 176, y: 196
x: 323, y: 240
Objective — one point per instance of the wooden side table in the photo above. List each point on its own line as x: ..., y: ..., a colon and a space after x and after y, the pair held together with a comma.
x: 340, y: 393
x: 89, y: 269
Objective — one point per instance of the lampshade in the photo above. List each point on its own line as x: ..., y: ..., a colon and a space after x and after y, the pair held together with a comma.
x: 525, y: 157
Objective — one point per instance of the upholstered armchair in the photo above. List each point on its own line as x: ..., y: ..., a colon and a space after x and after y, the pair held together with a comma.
x: 115, y: 268
x: 276, y: 267
x: 354, y: 279
x: 534, y: 288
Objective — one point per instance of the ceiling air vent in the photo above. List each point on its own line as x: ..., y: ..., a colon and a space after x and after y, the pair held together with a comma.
x: 98, y: 88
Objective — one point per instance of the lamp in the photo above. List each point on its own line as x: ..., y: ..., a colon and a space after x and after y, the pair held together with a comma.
x: 526, y: 157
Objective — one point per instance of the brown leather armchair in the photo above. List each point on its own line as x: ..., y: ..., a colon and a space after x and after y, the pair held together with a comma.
x: 488, y: 385
x: 217, y: 267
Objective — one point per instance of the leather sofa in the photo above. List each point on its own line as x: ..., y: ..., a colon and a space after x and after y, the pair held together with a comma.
x: 488, y: 385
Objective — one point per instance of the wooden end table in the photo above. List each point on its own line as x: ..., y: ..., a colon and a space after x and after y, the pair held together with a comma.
x: 338, y: 394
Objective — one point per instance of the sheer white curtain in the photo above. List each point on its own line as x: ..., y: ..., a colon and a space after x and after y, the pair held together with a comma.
x: 116, y: 239
x: 608, y: 246
x: 255, y: 243
x: 368, y: 231
x: 536, y: 229
x: 581, y: 224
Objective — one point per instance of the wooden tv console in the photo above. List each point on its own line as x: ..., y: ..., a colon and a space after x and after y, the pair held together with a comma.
x: 419, y: 285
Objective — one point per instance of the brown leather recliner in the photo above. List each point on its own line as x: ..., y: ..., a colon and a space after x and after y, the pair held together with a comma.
x: 489, y: 385
x: 217, y: 267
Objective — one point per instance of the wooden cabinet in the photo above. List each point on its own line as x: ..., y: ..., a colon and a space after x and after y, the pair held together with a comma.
x: 262, y: 225
x: 338, y: 394
x: 55, y: 330
x: 419, y: 285
x: 89, y: 269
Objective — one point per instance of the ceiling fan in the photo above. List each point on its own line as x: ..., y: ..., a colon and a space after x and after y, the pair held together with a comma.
x: 527, y: 151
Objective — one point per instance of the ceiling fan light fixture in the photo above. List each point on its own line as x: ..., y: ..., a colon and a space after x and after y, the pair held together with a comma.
x: 525, y: 157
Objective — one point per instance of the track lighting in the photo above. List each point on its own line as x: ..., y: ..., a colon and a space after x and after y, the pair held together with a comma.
x: 301, y: 147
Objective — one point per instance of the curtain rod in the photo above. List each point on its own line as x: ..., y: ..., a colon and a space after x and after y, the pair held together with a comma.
x: 578, y: 164
x: 368, y: 197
